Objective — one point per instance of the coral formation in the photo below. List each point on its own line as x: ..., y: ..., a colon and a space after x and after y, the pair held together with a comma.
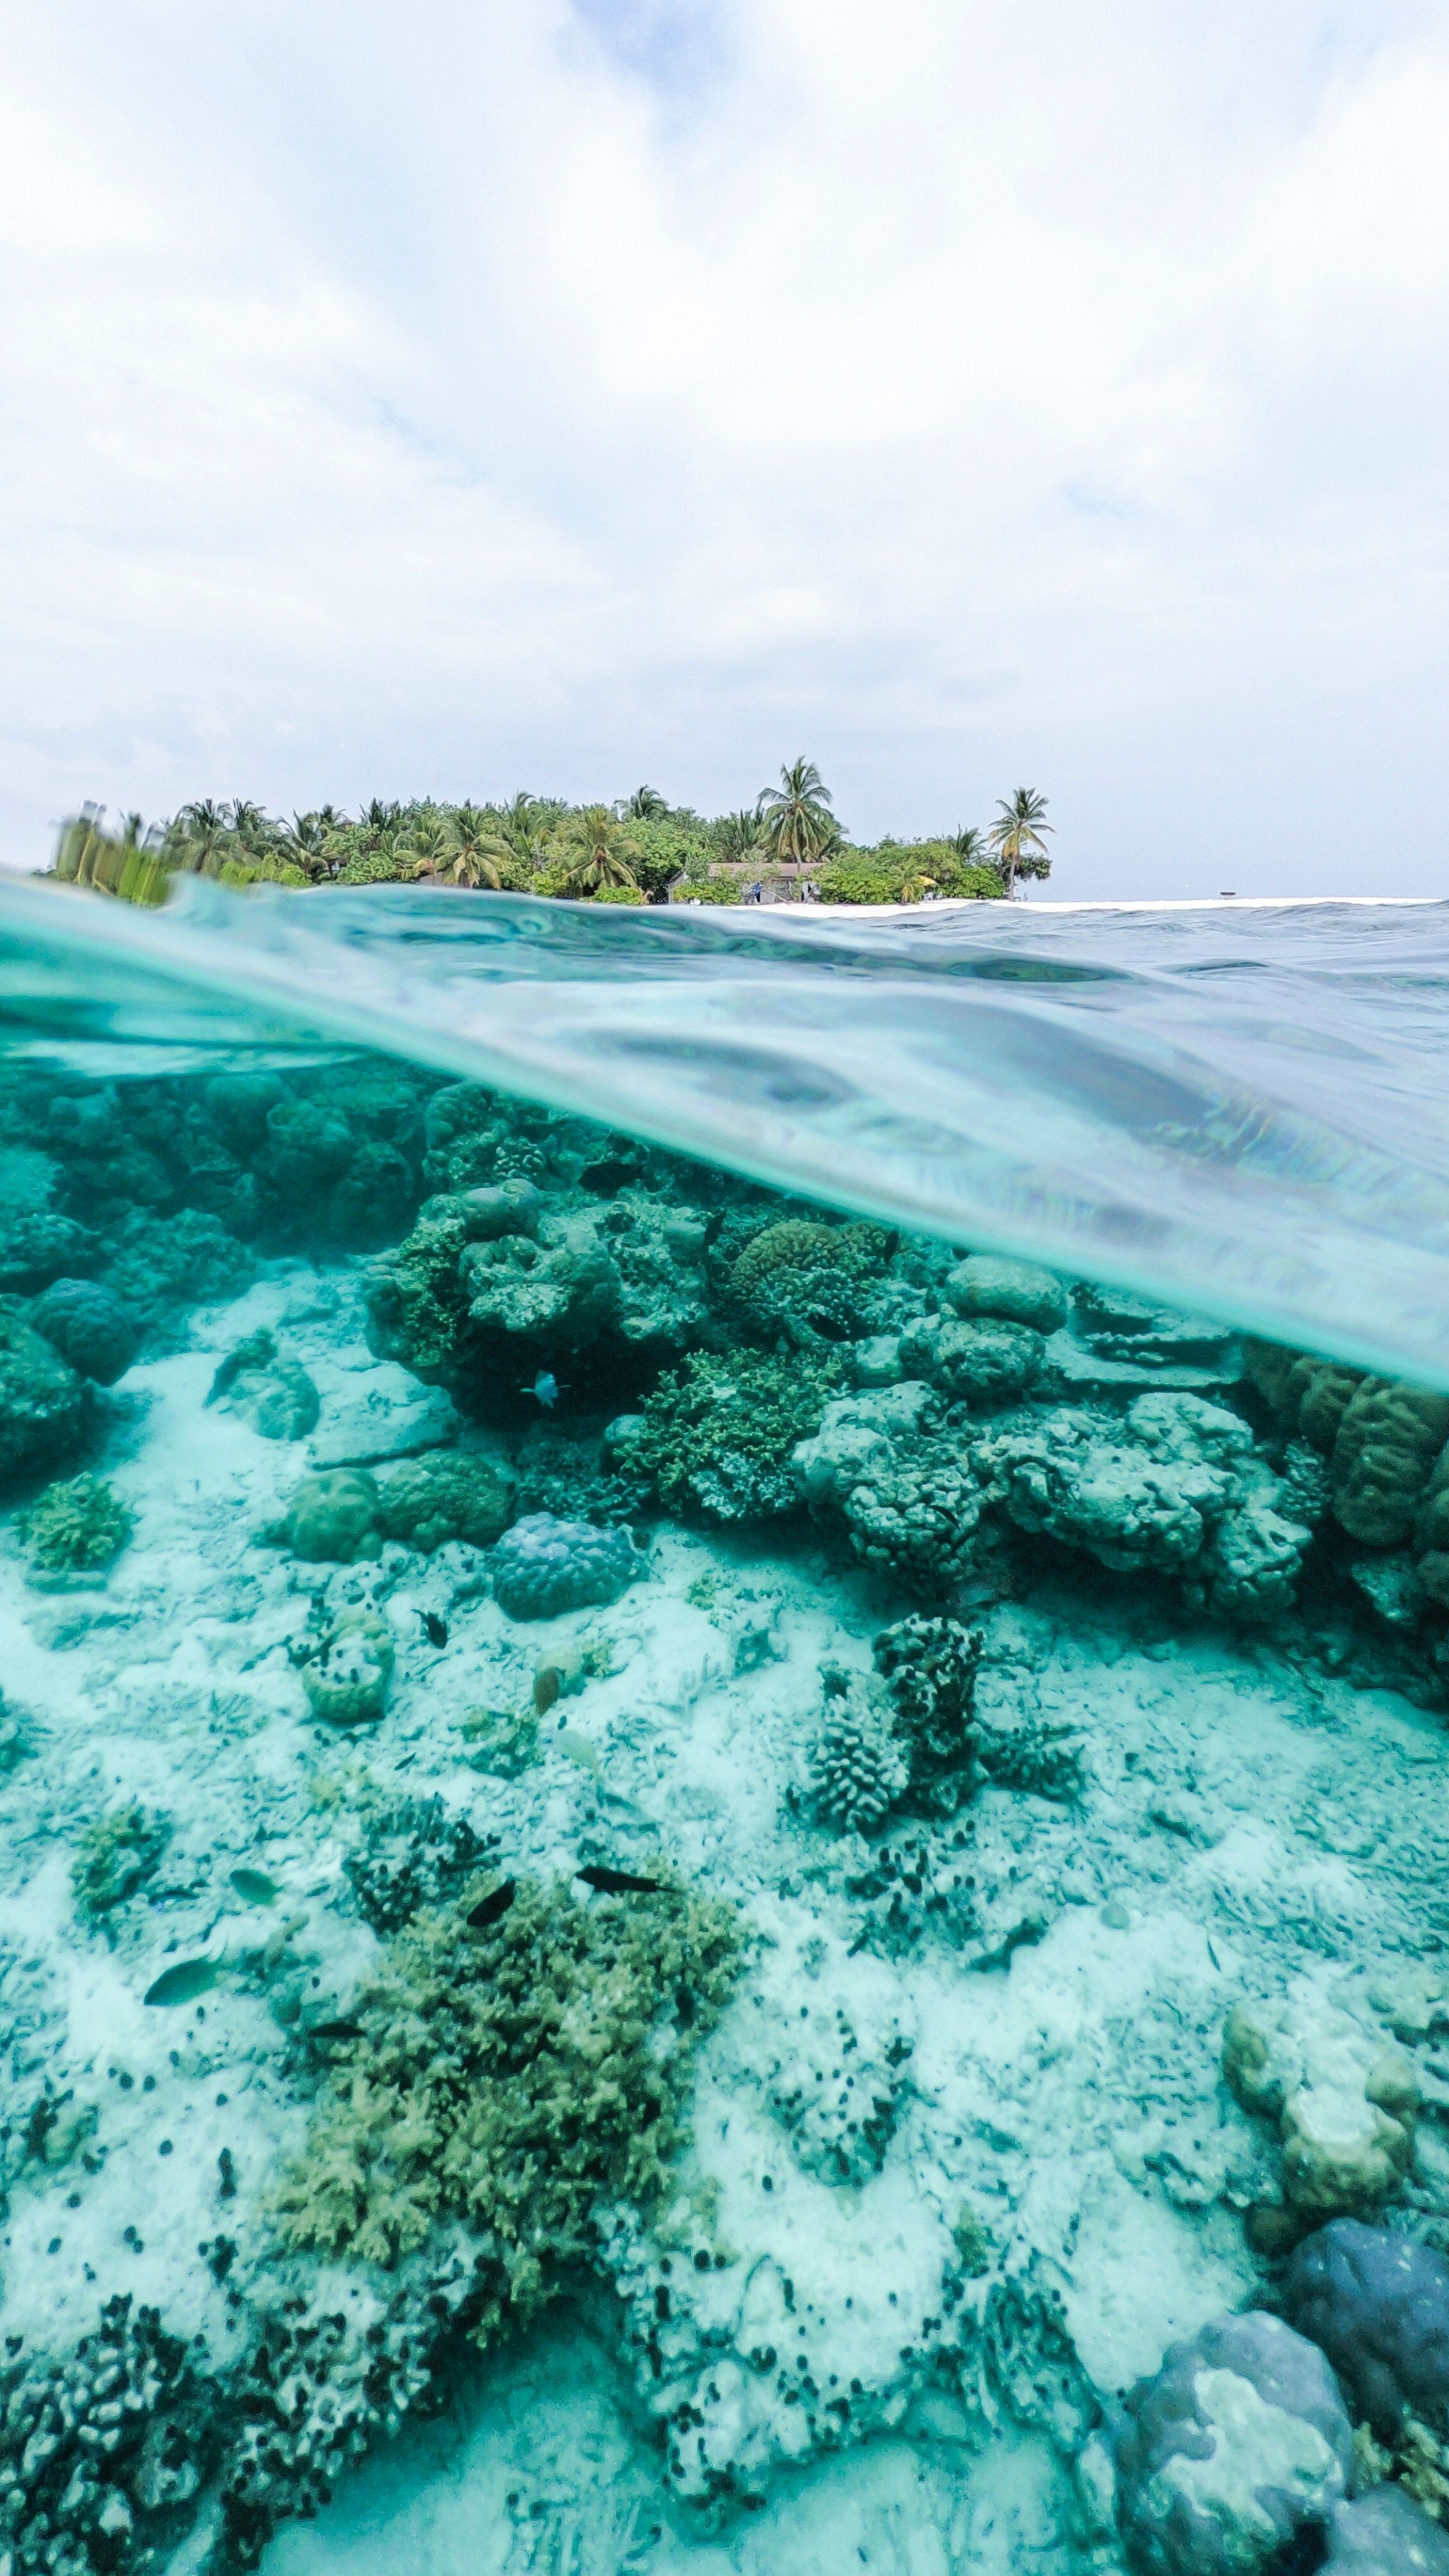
x: 715, y: 1439
x: 114, y: 1857
x: 929, y: 1668
x: 1385, y: 2534
x: 101, y: 2452
x: 445, y: 1495
x: 42, y: 1399
x: 333, y: 1518
x: 858, y: 1767
x: 1378, y: 2306
x: 1238, y: 2444
x: 415, y: 1854
x: 89, y: 1327
x: 1344, y: 2100
x: 543, y: 1567
x: 347, y: 1671
x: 515, y: 2078
x: 79, y: 1527
x: 1016, y: 1292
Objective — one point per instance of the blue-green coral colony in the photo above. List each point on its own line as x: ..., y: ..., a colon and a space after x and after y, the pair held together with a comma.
x: 638, y: 1736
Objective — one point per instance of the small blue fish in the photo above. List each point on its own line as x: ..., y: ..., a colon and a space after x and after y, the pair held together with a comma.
x: 546, y: 1387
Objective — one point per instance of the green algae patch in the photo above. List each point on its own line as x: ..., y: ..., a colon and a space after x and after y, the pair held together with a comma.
x: 522, y: 2079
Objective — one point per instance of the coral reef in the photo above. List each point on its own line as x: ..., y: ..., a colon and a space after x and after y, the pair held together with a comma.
x: 981, y: 1361
x: 42, y: 1399
x: 89, y: 1327
x: 715, y: 1438
x: 79, y: 1527
x: 543, y: 1567
x: 809, y: 1283
x: 1238, y: 2444
x: 114, y: 1857
x: 346, y: 1672
x: 445, y: 1495
x: 1378, y: 2306
x: 515, y: 2078
x: 1344, y: 2100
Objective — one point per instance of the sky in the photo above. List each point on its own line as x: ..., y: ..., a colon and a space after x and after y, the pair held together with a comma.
x: 567, y: 394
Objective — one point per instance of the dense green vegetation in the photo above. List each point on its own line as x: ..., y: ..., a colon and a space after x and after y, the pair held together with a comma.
x: 640, y: 849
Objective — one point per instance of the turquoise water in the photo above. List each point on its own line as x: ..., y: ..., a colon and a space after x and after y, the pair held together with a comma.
x: 724, y: 1649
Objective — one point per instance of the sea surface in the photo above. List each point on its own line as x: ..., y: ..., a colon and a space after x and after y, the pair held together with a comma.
x: 724, y: 1650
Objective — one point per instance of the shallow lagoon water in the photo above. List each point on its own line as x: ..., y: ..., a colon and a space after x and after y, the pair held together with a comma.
x: 491, y: 1393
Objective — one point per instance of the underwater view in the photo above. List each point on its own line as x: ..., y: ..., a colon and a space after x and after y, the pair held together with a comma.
x: 724, y: 1655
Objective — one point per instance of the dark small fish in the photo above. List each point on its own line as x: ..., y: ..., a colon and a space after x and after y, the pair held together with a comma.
x: 547, y: 1684
x: 183, y: 1983
x: 491, y: 1909
x: 437, y: 1628
x: 617, y: 1882
x: 335, y: 2030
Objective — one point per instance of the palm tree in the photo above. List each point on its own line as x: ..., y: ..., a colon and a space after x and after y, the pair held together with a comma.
x: 969, y: 845
x: 795, y: 817
x: 477, y: 848
x: 202, y: 832
x: 248, y: 822
x: 646, y: 805
x: 378, y: 815
x: 601, y: 850
x: 737, y: 834
x: 1016, y: 837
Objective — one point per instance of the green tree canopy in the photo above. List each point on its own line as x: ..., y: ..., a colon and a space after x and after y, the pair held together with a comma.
x: 795, y: 818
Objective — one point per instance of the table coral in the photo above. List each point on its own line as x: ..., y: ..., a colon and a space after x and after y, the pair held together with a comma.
x: 521, y: 2079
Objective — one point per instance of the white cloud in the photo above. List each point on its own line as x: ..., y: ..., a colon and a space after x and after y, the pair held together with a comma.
x: 474, y: 396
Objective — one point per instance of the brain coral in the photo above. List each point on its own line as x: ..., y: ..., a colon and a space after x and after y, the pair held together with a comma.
x: 1385, y: 1450
x: 346, y: 1677
x: 334, y: 1517
x: 1239, y: 2443
x: 543, y: 1567
x: 443, y: 1496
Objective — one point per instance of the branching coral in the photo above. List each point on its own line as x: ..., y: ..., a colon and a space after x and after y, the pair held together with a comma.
x: 520, y: 2078
x: 859, y: 1769
x: 717, y: 1436
x: 76, y: 1528
x: 415, y: 1854
x: 929, y: 1668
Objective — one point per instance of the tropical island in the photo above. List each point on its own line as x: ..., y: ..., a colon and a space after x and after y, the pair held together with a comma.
x: 788, y: 846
